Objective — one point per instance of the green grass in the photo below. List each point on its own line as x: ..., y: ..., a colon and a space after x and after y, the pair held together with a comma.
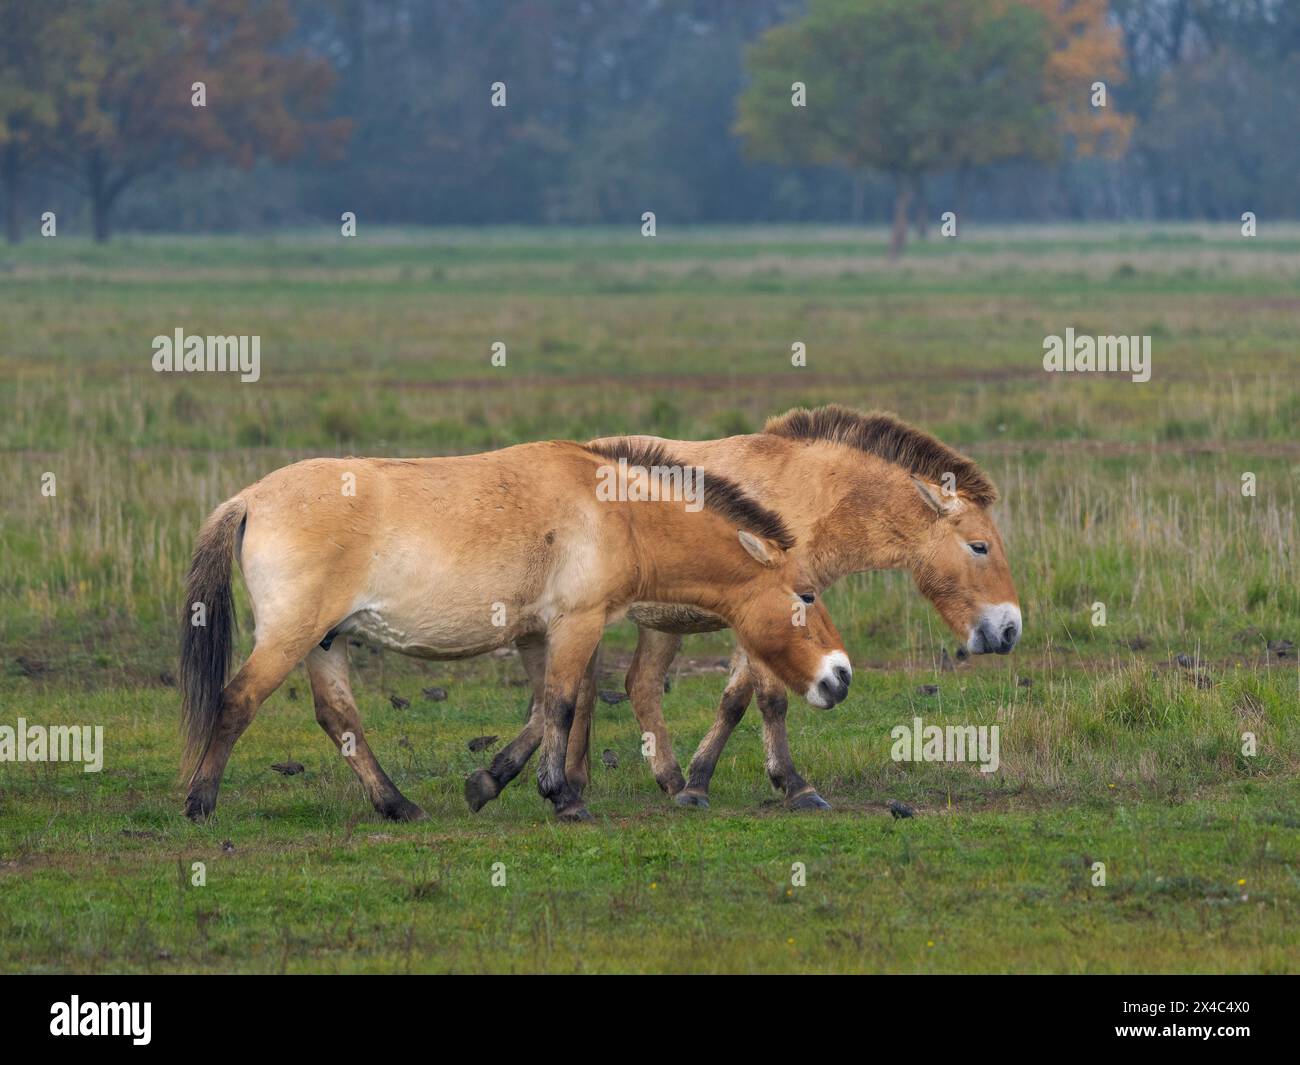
x: 993, y: 874
x: 1117, y: 493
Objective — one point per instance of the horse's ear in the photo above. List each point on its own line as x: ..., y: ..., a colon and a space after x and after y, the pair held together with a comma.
x: 762, y: 551
x: 934, y: 498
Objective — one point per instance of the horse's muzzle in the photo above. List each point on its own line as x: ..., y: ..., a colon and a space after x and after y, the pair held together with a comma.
x: 998, y: 630
x: 832, y: 683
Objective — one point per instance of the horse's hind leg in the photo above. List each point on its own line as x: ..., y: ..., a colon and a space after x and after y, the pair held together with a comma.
x: 265, y: 670
x: 484, y: 785
x: 654, y: 655
x: 336, y: 710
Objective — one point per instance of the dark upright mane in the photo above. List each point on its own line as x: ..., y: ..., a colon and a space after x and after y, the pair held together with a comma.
x: 885, y: 436
x: 722, y: 496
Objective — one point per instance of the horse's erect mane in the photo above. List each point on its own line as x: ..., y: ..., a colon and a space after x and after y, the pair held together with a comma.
x: 722, y: 496
x: 887, y: 437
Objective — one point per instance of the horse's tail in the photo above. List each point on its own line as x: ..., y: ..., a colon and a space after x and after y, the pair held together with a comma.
x: 207, y: 630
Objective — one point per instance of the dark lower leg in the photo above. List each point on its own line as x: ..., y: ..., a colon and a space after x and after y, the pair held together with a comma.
x: 264, y: 671
x: 578, y: 757
x: 236, y: 714
x: 571, y: 642
x: 336, y: 712
x: 735, y: 701
x: 484, y: 785
x: 799, y: 794
x: 552, y: 781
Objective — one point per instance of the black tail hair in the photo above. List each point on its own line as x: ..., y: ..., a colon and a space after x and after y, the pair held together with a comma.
x: 206, y: 648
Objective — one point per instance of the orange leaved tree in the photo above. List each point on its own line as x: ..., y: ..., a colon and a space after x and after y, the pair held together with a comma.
x: 1085, y: 49
x: 904, y: 87
x: 144, y: 85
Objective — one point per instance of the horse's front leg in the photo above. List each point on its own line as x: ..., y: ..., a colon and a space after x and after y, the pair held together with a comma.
x: 735, y: 701
x: 484, y: 785
x: 772, y: 704
x: 571, y: 641
x: 578, y: 759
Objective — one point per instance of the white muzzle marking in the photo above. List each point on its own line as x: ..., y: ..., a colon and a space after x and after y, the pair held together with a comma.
x: 998, y: 630
x: 832, y: 683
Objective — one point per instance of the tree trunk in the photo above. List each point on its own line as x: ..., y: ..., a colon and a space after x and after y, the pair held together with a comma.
x: 902, y: 203
x: 101, y: 202
x: 920, y: 214
x: 100, y: 206
x: 12, y: 175
x: 859, y: 193
x: 961, y: 194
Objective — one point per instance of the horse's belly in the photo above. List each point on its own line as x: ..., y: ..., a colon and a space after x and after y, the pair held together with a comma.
x: 675, y: 617
x: 423, y: 600
x: 427, y: 635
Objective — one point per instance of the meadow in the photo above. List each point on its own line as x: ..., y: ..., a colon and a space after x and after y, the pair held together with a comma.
x: 1122, y: 742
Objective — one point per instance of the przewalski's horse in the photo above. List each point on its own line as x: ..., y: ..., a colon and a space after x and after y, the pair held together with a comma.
x: 454, y: 557
x: 859, y: 492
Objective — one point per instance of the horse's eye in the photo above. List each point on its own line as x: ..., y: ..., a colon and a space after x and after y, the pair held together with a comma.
x: 979, y: 547
x: 807, y: 597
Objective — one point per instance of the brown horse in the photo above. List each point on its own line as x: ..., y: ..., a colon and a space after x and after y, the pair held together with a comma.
x: 861, y: 492
x: 454, y: 557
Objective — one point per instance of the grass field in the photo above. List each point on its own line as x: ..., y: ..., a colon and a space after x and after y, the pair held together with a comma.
x: 1117, y: 493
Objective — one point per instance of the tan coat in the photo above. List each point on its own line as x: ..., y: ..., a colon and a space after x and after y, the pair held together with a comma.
x: 452, y: 557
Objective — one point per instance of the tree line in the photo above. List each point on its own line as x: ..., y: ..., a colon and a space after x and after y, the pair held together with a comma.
x: 235, y: 114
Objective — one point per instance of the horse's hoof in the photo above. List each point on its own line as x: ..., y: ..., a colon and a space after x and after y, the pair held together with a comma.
x: 574, y: 814
x: 480, y: 789
x: 692, y: 798
x: 405, y: 810
x: 808, y: 800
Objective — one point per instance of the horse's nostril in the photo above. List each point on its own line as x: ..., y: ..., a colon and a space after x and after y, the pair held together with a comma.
x: 1010, y: 633
x: 844, y: 676
x: 833, y: 690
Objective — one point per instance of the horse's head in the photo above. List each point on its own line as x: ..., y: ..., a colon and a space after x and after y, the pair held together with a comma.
x: 781, y: 622
x: 961, y: 567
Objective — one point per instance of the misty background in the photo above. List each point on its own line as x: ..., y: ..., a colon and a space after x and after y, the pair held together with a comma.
x: 615, y: 107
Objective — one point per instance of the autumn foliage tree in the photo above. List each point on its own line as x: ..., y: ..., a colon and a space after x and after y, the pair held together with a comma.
x: 125, y: 91
x: 910, y: 88
x: 1085, y: 48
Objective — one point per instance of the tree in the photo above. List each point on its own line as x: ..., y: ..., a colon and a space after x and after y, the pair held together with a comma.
x: 906, y: 87
x: 1176, y: 51
x: 28, y: 109
x: 1085, y: 49
x: 126, y: 105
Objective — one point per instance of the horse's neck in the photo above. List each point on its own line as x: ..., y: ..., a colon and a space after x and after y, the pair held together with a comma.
x: 679, y: 561
x: 849, y: 511
x: 872, y: 526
